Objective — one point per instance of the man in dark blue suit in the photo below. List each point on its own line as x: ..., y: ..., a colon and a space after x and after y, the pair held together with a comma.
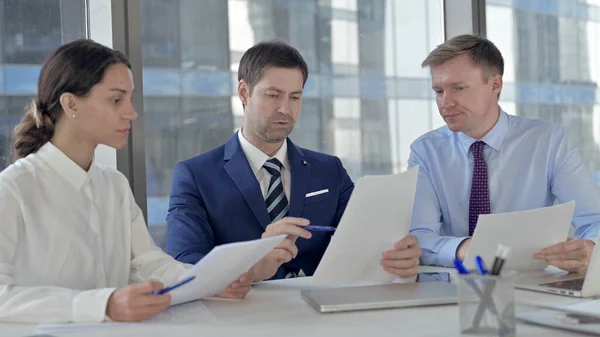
x: 260, y: 184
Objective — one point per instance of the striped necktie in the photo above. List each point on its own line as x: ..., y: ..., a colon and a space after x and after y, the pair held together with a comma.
x: 277, y: 203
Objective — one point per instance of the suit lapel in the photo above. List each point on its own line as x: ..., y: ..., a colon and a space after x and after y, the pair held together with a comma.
x: 300, y: 173
x: 239, y: 171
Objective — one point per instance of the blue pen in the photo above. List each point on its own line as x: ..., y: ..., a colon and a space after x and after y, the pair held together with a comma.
x: 319, y: 228
x: 176, y: 285
x: 480, y: 265
x: 460, y: 267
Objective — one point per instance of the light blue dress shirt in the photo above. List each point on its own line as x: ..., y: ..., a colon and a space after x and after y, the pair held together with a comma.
x: 530, y: 165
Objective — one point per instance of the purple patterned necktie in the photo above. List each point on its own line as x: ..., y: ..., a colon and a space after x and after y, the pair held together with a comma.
x: 479, y: 203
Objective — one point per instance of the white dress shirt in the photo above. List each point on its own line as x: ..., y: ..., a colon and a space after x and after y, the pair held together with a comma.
x: 68, y: 238
x: 257, y: 159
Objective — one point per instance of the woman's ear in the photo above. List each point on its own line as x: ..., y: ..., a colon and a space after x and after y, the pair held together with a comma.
x: 68, y: 102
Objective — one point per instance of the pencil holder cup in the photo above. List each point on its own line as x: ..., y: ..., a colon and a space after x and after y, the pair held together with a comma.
x: 486, y: 304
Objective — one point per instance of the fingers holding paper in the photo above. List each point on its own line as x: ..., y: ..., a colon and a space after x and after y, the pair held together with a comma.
x: 239, y: 288
x: 572, y: 255
x: 403, y: 260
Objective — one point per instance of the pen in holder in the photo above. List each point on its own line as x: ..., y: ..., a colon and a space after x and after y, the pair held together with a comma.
x: 486, y: 304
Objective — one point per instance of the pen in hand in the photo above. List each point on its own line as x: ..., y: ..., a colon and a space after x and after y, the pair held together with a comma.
x: 174, y: 286
x: 316, y: 228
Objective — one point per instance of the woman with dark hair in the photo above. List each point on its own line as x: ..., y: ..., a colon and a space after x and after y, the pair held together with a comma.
x: 73, y: 243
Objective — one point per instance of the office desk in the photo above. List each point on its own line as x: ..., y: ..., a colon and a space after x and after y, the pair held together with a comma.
x: 275, y: 308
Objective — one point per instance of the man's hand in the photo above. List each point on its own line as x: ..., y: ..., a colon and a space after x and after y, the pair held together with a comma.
x: 463, y: 248
x: 134, y: 303
x: 572, y: 255
x: 404, y: 259
x: 239, y: 288
x: 285, y: 251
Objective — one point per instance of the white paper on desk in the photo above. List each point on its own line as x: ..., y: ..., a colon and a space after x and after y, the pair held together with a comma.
x: 552, y: 318
x: 590, y: 308
x: 377, y: 216
x: 221, y: 266
x: 525, y: 232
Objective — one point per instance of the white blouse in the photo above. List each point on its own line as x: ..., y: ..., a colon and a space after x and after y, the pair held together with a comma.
x: 68, y: 238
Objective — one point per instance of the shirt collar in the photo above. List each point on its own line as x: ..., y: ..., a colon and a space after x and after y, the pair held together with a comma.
x: 493, y: 138
x: 257, y: 158
x: 64, y: 166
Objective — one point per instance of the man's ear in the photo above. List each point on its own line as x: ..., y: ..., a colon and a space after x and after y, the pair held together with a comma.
x: 243, y: 92
x: 497, y: 84
x: 68, y: 102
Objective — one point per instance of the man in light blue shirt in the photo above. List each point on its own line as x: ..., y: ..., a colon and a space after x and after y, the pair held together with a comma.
x: 486, y: 161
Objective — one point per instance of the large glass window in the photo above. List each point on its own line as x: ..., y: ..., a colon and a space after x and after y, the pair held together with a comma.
x: 29, y: 31
x: 551, y: 50
x: 365, y: 101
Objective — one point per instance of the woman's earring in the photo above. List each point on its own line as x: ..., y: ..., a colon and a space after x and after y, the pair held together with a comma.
x: 73, y: 116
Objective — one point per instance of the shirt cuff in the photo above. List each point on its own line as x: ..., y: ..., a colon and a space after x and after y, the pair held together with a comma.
x: 447, y: 252
x: 90, y: 306
x: 592, y: 238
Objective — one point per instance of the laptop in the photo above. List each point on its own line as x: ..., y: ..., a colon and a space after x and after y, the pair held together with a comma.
x: 564, y: 283
x: 395, y: 295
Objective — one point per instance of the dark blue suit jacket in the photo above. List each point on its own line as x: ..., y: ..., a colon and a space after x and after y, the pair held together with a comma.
x: 216, y: 199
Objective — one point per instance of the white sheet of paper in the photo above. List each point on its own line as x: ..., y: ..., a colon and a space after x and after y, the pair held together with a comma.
x: 591, y: 308
x: 525, y: 232
x: 377, y: 216
x: 221, y: 266
x: 551, y: 318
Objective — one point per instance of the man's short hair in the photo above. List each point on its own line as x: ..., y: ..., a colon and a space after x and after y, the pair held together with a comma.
x: 482, y: 52
x: 268, y: 54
